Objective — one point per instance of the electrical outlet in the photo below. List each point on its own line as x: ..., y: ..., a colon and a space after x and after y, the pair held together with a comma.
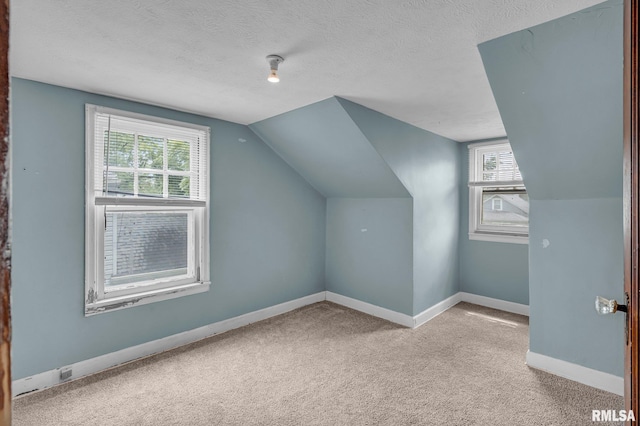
x: 65, y: 373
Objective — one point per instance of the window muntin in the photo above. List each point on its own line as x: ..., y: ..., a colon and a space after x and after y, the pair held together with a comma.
x: 147, y: 209
x: 498, y: 201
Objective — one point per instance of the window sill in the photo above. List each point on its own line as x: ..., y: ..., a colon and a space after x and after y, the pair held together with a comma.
x: 499, y: 238
x: 151, y: 296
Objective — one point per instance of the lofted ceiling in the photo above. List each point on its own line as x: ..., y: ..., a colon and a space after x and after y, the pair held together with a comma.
x: 324, y: 145
x: 415, y: 60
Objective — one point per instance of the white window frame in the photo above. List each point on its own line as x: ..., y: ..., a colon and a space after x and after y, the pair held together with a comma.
x: 478, y: 231
x: 154, y: 288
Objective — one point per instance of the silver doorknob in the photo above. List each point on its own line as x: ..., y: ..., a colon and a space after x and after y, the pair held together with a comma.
x: 606, y: 306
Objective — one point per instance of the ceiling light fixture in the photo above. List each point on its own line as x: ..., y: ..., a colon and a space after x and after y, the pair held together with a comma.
x: 274, y: 61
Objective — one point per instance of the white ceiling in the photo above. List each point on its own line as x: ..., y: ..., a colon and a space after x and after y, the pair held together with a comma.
x: 415, y: 60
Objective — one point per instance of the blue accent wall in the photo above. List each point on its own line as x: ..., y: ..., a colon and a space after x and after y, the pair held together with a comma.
x: 267, y: 233
x: 428, y: 166
x: 558, y: 87
x: 323, y: 144
x: 355, y: 156
x: 559, y: 90
x: 583, y: 259
x: 497, y: 270
x: 369, y: 250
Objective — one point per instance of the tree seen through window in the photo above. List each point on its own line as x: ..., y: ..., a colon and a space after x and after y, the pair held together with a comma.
x: 144, y: 157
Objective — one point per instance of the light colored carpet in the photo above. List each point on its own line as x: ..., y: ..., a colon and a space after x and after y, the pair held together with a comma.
x: 328, y: 365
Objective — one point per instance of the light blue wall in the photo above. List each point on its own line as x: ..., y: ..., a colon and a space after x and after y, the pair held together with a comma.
x: 497, y: 270
x: 349, y: 151
x: 267, y: 234
x: 584, y: 258
x: 428, y: 165
x: 559, y: 89
x: 369, y: 250
x: 323, y: 144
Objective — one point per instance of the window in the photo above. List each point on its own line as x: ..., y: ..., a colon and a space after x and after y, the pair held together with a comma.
x: 147, y: 209
x: 498, y: 200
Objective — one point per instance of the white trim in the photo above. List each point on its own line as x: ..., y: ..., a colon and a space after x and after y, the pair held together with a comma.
x: 94, y: 365
x: 103, y: 362
x: 499, y: 238
x: 488, y: 143
x: 429, y: 313
x: 489, y: 302
x: 432, y: 312
x: 144, y: 117
x: 96, y: 300
x: 90, y: 230
x: 437, y: 309
x: 577, y: 373
x: 142, y: 297
x: 492, y: 183
x: 478, y: 231
x: 373, y: 310
x: 138, y: 201
x: 90, y: 366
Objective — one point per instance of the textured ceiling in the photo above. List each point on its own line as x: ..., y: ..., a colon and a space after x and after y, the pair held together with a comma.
x: 415, y: 60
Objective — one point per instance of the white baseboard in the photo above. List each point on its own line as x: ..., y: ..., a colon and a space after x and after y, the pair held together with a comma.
x: 577, y: 373
x: 503, y: 305
x: 435, y: 310
x: 103, y: 362
x: 461, y: 296
x: 393, y: 316
x: 373, y: 310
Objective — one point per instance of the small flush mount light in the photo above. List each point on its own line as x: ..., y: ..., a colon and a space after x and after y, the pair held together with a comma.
x: 274, y: 61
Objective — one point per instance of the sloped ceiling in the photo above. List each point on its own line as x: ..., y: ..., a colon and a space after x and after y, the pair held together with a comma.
x: 415, y: 60
x: 559, y: 89
x: 325, y: 146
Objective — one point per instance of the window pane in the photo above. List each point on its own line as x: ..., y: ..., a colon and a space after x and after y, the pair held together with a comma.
x: 489, y: 176
x: 178, y: 153
x: 505, y: 209
x: 179, y: 186
x: 489, y: 161
x: 144, y: 246
x: 500, y: 166
x: 508, y: 174
x: 120, y: 148
x: 506, y: 160
x: 150, y: 152
x: 150, y: 184
x: 120, y: 183
x: 507, y: 167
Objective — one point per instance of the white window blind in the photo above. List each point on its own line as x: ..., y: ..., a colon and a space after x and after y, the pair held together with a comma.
x: 493, y: 167
x: 159, y: 163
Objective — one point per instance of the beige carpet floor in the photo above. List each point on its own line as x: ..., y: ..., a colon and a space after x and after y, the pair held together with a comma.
x: 328, y: 365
